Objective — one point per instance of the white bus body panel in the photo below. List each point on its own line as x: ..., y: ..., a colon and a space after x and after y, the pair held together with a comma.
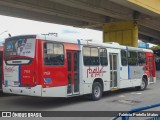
x: 33, y: 91
x: 60, y: 91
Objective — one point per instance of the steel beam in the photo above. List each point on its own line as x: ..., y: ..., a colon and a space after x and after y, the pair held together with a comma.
x: 50, y: 8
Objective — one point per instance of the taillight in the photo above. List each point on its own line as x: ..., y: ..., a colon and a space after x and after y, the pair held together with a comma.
x: 35, y: 78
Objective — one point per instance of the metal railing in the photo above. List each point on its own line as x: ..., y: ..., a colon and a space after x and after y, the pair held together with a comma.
x: 138, y: 110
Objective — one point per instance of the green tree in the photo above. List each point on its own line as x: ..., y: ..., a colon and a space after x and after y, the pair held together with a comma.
x: 155, y: 47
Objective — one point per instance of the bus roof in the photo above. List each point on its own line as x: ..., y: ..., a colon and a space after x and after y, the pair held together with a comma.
x: 91, y: 43
x: 84, y: 42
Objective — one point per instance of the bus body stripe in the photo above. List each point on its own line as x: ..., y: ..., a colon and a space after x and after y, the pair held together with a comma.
x: 129, y: 72
x: 129, y: 75
x: 127, y: 48
x: 79, y: 43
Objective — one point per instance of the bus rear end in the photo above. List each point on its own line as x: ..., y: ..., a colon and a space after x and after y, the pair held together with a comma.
x: 20, y: 66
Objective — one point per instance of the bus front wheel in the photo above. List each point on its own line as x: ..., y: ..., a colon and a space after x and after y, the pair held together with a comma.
x: 143, y: 85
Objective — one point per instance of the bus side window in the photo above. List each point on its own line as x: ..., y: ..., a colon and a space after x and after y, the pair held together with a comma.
x: 90, y: 56
x: 132, y: 58
x: 141, y: 58
x: 124, y: 60
x: 53, y: 54
x: 103, y: 57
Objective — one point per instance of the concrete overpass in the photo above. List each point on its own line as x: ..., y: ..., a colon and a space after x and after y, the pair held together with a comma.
x: 90, y: 13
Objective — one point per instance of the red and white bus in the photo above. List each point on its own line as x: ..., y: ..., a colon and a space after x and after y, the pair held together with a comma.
x: 48, y: 66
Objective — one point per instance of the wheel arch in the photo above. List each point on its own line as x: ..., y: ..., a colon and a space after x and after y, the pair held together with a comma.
x: 100, y: 81
x: 145, y: 77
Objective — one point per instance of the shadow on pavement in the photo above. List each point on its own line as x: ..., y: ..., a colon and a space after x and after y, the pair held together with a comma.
x: 39, y: 103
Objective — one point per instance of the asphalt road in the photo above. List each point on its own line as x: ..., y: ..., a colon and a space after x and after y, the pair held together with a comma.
x: 122, y: 100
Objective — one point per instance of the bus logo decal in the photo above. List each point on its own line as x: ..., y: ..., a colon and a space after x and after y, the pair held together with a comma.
x: 95, y: 72
x: 9, y: 69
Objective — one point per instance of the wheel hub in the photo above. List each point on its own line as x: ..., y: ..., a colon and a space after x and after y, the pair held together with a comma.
x: 97, y: 91
x: 143, y: 84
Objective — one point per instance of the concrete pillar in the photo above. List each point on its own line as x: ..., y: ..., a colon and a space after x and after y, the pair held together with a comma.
x: 125, y: 33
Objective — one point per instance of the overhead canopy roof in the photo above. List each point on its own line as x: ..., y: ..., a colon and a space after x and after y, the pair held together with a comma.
x: 89, y: 13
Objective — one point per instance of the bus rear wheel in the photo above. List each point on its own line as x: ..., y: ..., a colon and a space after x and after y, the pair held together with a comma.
x: 96, y: 91
x: 143, y: 85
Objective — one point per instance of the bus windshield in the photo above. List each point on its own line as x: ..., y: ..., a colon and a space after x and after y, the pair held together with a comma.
x: 19, y: 50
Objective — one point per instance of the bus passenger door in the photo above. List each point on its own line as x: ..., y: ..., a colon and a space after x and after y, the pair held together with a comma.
x: 73, y: 72
x: 113, y: 70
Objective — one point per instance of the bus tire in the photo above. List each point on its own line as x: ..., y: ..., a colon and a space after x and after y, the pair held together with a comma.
x: 143, y: 85
x: 96, y: 91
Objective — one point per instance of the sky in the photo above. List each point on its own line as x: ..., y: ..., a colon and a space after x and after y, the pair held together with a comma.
x: 18, y: 26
